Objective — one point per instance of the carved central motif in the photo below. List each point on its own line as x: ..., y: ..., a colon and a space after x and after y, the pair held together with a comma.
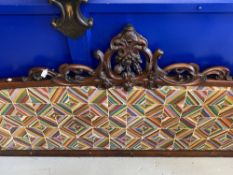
x: 133, y: 65
x: 128, y: 59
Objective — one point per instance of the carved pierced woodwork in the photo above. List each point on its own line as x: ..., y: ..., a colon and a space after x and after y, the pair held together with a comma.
x: 128, y: 62
x: 72, y: 23
x: 135, y: 65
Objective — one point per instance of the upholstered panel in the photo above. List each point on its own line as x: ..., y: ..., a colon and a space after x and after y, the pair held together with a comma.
x: 88, y: 118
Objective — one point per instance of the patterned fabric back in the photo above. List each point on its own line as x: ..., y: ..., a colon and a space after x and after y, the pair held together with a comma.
x: 87, y: 118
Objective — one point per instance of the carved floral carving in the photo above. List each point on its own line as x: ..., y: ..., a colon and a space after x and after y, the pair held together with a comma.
x: 135, y: 65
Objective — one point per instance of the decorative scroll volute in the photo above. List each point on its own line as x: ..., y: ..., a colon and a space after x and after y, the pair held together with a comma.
x: 182, y: 73
x: 127, y: 51
x: 129, y: 62
x: 72, y: 23
x: 217, y: 73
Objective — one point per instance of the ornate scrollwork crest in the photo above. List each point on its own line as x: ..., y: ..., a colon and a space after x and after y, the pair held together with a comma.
x: 128, y: 51
x: 72, y: 23
x: 127, y: 46
x: 129, y: 62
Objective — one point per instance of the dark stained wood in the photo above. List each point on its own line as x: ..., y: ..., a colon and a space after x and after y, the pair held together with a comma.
x: 50, y: 83
x: 126, y: 49
x: 55, y: 153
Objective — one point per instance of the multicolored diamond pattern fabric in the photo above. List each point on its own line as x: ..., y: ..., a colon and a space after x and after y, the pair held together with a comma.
x: 88, y: 118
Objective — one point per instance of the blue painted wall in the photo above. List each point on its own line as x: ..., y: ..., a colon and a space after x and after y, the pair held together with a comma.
x: 186, y: 32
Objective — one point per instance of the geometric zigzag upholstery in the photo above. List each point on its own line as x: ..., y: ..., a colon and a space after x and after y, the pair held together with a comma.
x: 88, y: 118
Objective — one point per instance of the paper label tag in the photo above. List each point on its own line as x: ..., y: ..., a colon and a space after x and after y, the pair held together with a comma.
x: 44, y: 73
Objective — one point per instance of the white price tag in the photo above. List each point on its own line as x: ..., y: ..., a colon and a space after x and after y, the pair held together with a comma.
x: 44, y: 73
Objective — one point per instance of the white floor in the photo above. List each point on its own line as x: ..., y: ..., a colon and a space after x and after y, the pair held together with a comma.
x: 116, y: 166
